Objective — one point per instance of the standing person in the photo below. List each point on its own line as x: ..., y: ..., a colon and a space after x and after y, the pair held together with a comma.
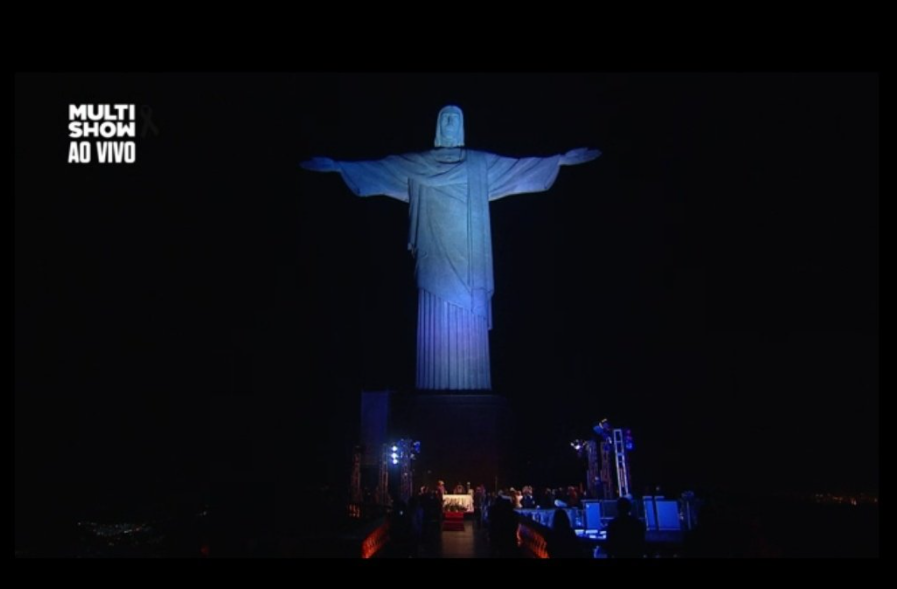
x: 562, y: 541
x: 625, y: 533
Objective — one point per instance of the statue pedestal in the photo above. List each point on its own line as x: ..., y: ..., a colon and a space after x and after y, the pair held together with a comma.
x: 465, y: 436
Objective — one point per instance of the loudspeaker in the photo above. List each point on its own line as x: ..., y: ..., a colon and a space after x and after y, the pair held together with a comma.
x: 667, y: 514
x: 591, y: 509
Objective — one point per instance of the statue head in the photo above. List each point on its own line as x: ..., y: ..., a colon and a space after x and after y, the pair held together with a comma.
x: 450, y: 127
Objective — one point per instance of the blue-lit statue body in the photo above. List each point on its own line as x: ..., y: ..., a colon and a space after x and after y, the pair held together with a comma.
x: 449, y: 189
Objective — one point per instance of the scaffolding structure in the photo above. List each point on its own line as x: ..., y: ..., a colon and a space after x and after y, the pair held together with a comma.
x: 355, y: 492
x: 401, y: 454
x: 406, y: 483
x: 383, y: 478
x: 607, y: 478
x: 614, y: 444
x: 621, y: 464
x: 592, y: 475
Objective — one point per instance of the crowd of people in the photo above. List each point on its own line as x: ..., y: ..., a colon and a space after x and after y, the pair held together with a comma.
x: 494, y: 513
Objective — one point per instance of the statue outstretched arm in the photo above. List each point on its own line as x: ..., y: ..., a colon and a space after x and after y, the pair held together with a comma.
x: 531, y: 174
x: 580, y: 155
x: 320, y: 164
x: 388, y: 176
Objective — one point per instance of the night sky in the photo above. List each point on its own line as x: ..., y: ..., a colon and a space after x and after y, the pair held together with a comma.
x: 209, y: 314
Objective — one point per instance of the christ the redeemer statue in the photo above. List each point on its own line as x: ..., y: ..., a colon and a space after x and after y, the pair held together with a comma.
x: 448, y: 189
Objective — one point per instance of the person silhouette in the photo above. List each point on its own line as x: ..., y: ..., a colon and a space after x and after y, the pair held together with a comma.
x: 562, y: 541
x: 625, y: 533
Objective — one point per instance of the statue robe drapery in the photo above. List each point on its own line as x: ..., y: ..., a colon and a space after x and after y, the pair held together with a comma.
x: 449, y: 190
